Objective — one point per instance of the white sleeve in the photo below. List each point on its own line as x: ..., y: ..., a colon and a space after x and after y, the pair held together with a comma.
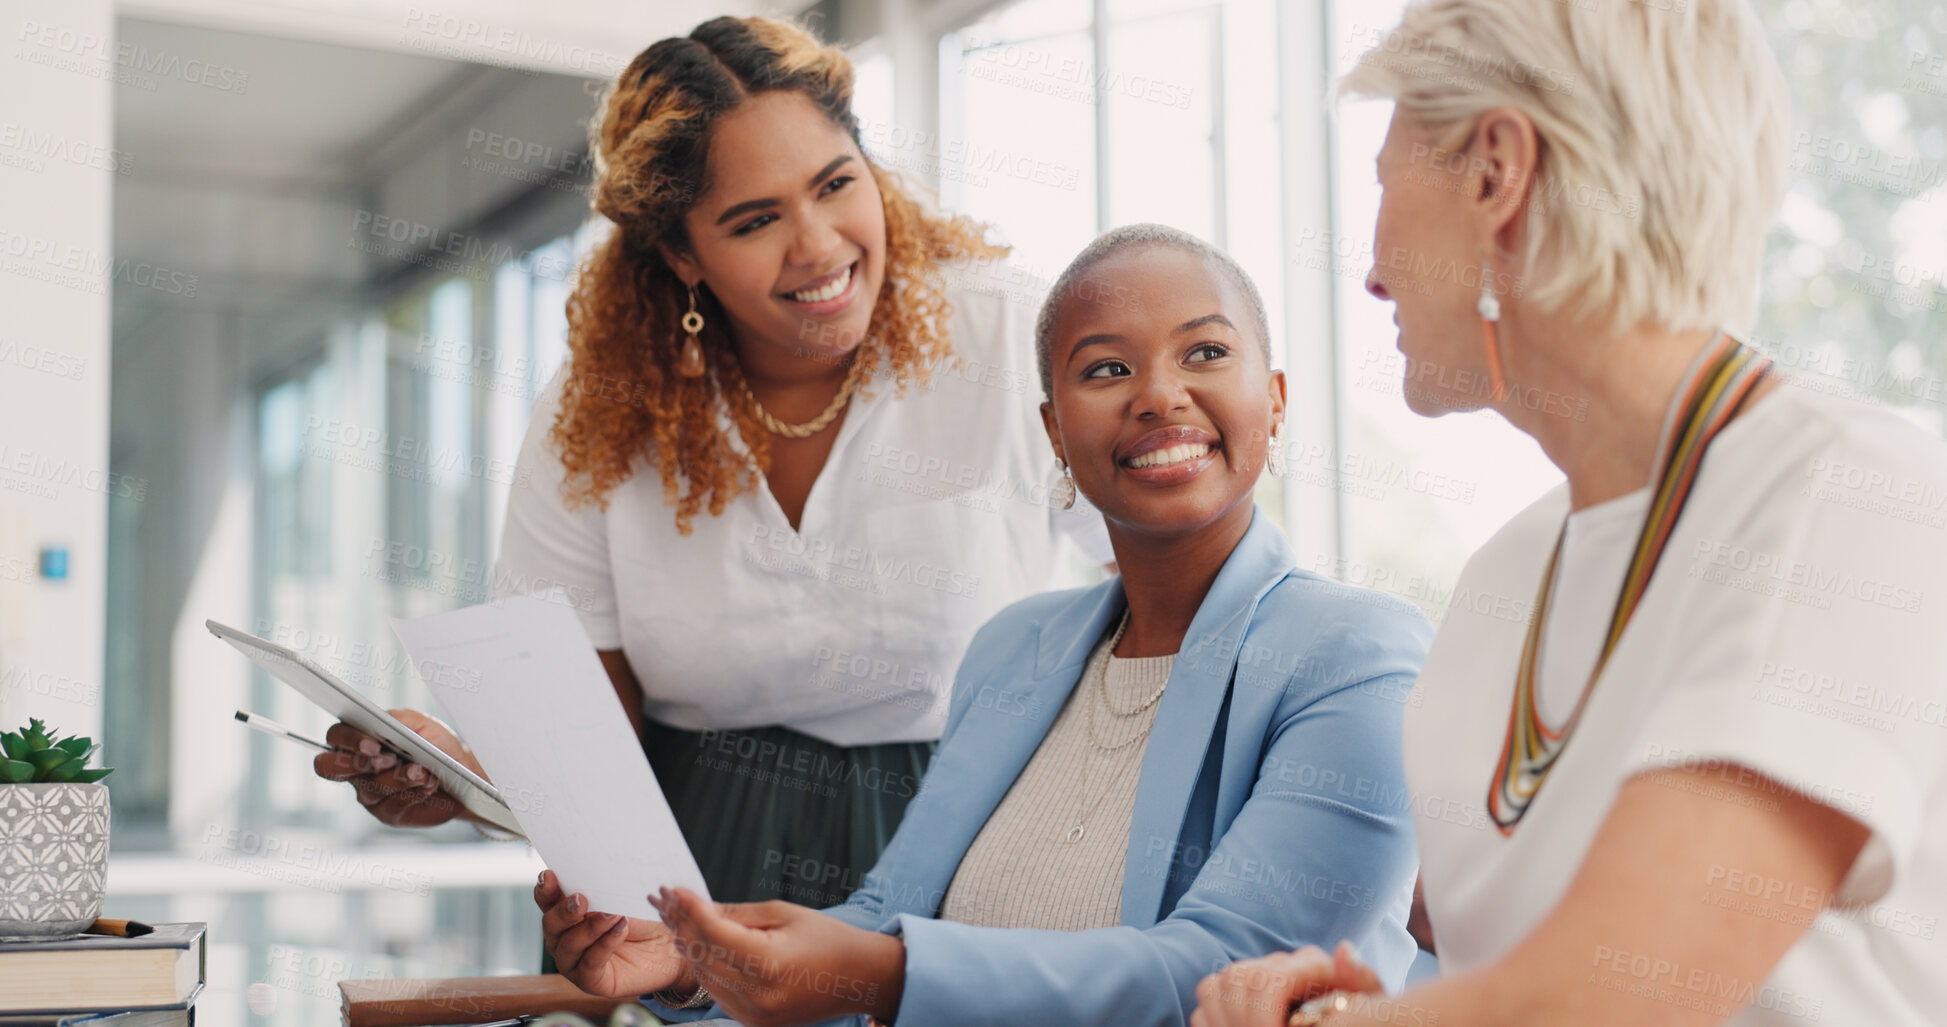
x: 1813, y: 646
x: 545, y: 545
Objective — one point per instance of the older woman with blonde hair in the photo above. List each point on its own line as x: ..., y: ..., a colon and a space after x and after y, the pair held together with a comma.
x: 1672, y: 806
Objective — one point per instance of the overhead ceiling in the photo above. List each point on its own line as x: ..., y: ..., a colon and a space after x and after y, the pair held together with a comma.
x: 383, y: 61
x: 306, y: 110
x: 249, y: 173
x: 252, y: 132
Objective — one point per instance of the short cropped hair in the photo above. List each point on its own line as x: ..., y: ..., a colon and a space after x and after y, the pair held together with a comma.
x: 1075, y: 283
x: 1662, y: 133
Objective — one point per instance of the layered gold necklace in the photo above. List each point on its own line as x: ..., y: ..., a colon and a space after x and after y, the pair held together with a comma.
x: 816, y: 424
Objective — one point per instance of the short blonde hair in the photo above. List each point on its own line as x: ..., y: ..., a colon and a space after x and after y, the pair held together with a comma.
x: 1662, y: 128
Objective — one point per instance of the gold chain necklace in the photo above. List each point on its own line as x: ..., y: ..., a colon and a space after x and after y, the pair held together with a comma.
x: 816, y: 424
x: 1102, y: 691
x: 1079, y: 827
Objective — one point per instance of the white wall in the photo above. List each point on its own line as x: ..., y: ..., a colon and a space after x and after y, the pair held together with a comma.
x: 55, y: 277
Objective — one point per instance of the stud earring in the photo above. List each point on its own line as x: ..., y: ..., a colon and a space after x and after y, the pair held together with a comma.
x: 690, y: 364
x: 1274, y: 454
x: 1063, y: 494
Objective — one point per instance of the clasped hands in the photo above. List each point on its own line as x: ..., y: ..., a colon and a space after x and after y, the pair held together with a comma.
x: 765, y: 963
x: 1263, y: 992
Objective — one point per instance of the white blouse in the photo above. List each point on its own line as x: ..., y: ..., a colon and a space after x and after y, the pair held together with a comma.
x: 931, y: 513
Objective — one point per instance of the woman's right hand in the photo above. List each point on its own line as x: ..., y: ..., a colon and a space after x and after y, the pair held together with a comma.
x: 398, y: 792
x: 605, y: 954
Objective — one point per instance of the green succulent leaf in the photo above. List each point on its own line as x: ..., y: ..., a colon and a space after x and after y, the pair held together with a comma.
x: 76, y: 746
x: 91, y: 776
x: 63, y: 772
x: 47, y: 759
x: 16, y: 771
x: 14, y: 745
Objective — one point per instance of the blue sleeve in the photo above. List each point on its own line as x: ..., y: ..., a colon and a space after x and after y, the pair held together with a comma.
x: 1321, y: 851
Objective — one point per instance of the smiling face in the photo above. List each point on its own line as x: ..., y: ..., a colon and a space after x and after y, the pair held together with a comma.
x: 1425, y: 264
x: 790, y: 236
x: 1161, y: 407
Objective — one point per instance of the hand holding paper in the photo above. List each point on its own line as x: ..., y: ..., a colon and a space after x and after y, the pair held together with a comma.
x: 605, y: 954
x: 520, y: 680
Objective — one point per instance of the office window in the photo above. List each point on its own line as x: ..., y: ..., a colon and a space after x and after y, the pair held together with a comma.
x: 872, y: 100
x: 379, y: 476
x: 1017, y: 129
x: 1418, y: 495
x: 1054, y: 128
x: 140, y: 753
x: 1160, y: 108
x: 1855, y: 278
x: 432, y: 554
x: 301, y: 490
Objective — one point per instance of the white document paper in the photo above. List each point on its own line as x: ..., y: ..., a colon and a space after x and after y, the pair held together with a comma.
x: 520, y: 681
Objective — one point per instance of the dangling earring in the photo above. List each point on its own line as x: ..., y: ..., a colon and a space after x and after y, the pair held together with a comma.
x: 690, y: 364
x: 1274, y: 454
x: 1490, y: 311
x: 1063, y: 494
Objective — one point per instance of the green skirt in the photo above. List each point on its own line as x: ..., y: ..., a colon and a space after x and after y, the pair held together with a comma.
x: 774, y: 814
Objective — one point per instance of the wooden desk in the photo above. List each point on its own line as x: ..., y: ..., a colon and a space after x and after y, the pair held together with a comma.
x: 457, y: 1000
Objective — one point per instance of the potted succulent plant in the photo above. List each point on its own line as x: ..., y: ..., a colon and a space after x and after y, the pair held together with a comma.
x: 53, y: 834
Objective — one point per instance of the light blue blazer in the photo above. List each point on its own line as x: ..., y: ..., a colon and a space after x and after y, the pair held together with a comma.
x: 1271, y: 811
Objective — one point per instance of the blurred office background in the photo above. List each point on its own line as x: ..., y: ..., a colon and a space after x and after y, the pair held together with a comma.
x: 284, y: 279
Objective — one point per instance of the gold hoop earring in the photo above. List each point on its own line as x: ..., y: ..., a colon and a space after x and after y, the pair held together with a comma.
x: 690, y: 364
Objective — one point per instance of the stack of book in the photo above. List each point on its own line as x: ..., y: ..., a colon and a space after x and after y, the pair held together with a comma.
x: 104, y: 981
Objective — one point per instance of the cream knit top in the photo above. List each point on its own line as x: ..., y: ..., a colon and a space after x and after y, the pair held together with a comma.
x: 1031, y: 866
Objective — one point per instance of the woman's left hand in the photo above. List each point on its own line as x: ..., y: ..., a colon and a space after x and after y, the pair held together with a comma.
x: 774, y: 963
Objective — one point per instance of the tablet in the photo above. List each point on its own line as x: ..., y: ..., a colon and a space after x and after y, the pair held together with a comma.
x: 347, y: 704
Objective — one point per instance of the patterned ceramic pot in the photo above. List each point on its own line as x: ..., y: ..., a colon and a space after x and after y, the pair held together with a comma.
x: 53, y: 859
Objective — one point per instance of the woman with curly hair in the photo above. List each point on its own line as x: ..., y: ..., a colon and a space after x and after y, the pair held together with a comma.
x: 787, y: 472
